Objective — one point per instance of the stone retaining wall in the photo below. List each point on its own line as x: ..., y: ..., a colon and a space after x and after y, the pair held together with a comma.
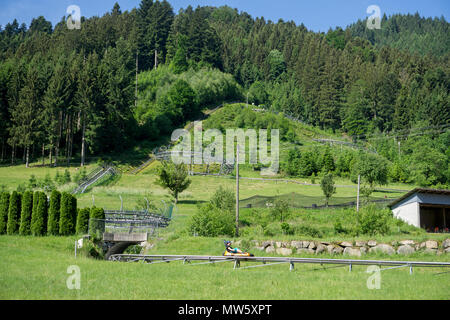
x: 355, y: 248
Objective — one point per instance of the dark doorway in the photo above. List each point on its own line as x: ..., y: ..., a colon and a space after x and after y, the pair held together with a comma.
x: 434, y: 218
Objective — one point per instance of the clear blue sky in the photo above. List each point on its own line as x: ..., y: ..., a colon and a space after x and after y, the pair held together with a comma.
x: 317, y: 15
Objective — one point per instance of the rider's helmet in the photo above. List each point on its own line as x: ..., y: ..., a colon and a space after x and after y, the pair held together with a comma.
x: 227, y: 243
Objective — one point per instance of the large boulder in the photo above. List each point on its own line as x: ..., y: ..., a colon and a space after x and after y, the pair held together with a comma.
x: 305, y: 244
x: 297, y: 244
x: 431, y: 244
x: 407, y: 243
x: 383, y: 248
x: 312, y: 245
x: 338, y: 250
x: 371, y: 243
x: 320, y: 248
x: 270, y: 249
x: 360, y: 243
x: 349, y: 251
x: 405, y: 250
x: 430, y: 251
x: 446, y: 244
x: 266, y: 244
x: 346, y: 244
x: 284, y: 251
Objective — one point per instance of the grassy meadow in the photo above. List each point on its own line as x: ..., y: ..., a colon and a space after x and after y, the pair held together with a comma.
x: 36, y: 267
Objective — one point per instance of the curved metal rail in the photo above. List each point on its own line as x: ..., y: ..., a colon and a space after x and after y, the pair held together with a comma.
x: 272, y: 260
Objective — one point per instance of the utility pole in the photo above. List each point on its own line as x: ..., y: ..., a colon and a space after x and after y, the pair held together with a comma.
x: 357, y: 196
x: 237, y: 190
x: 156, y: 58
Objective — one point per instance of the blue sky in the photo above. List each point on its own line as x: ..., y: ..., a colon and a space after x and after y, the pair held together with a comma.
x: 317, y: 15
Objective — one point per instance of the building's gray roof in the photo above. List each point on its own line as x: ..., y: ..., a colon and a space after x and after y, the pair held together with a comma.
x: 429, y: 196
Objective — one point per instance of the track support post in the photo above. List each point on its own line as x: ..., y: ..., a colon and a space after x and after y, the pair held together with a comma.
x: 291, y: 266
x: 237, y: 264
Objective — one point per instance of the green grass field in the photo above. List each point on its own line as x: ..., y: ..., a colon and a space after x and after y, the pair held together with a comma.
x: 36, y: 268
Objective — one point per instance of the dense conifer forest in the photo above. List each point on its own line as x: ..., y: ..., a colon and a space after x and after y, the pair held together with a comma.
x: 133, y: 76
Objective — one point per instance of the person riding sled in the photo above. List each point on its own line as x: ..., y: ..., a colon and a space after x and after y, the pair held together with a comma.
x: 230, y: 249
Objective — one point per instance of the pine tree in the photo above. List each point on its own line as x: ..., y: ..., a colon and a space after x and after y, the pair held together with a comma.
x: 86, y: 98
x: 328, y: 161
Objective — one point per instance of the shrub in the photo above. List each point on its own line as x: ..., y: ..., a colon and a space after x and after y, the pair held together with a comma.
x: 338, y: 228
x: 91, y: 250
x: 68, y: 214
x: 12, y: 226
x: 210, y: 221
x: 39, y: 220
x: 372, y: 220
x: 280, y: 210
x: 83, y: 220
x: 67, y: 178
x: 272, y: 229
x: 47, y: 184
x: 286, y: 228
x: 97, y: 213
x: 224, y: 199
x: 25, y: 216
x: 96, y: 222
x: 54, y: 213
x: 305, y: 230
x: 32, y: 182
x: 4, y: 206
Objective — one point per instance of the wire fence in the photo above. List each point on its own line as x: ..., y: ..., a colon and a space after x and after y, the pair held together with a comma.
x: 97, y: 227
x: 296, y: 200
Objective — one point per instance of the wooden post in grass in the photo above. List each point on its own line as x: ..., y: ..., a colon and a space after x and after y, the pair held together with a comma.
x: 237, y: 190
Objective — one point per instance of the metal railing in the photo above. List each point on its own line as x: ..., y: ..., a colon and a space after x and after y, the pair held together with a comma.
x: 275, y: 260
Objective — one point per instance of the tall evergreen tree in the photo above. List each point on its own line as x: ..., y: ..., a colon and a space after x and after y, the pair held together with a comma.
x: 25, y: 216
x: 12, y: 226
x: 4, y: 209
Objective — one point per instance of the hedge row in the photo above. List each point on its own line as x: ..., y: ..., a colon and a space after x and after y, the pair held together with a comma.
x: 34, y: 214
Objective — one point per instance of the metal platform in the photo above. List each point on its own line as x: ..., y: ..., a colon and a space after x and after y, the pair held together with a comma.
x: 273, y: 260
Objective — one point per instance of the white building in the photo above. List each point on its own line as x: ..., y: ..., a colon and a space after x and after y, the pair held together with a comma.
x: 425, y: 208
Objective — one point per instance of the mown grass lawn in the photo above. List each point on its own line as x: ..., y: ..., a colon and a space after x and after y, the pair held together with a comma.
x: 36, y: 268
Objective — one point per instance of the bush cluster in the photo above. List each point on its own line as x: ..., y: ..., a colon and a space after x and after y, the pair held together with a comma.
x: 216, y: 218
